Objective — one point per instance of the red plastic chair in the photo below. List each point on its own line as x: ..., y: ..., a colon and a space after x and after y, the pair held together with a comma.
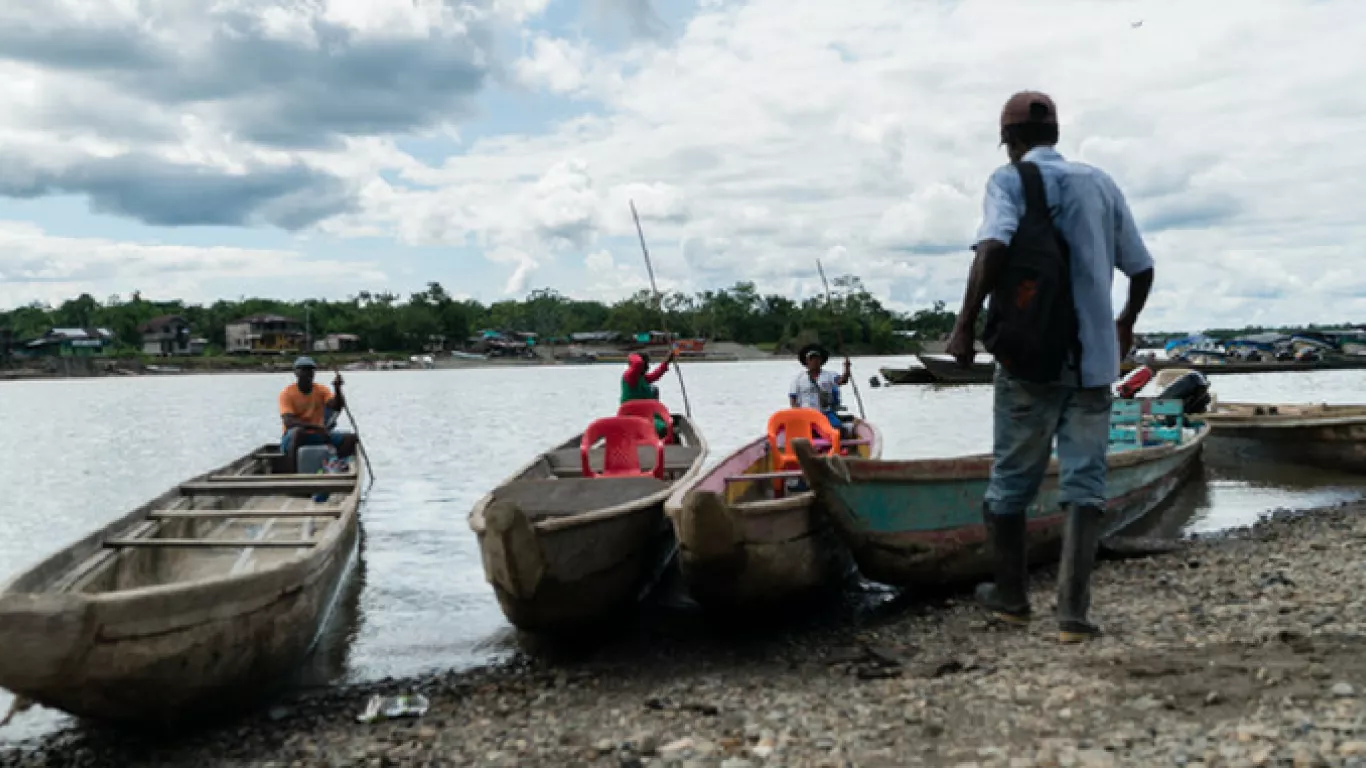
x: 648, y: 410
x: 794, y: 423
x: 622, y: 435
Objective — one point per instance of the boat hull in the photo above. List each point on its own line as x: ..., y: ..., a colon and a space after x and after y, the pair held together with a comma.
x: 739, y: 552
x: 1331, y: 437
x: 564, y: 553
x: 919, y: 524
x: 948, y: 371
x: 159, y: 655
x: 907, y: 375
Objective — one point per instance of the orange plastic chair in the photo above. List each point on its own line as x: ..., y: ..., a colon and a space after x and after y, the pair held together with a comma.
x: 648, y: 409
x: 794, y: 423
x: 622, y: 436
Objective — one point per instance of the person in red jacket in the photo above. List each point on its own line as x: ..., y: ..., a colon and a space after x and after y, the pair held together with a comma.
x: 637, y: 383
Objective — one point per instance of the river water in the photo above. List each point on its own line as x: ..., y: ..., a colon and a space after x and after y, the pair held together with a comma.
x: 77, y: 453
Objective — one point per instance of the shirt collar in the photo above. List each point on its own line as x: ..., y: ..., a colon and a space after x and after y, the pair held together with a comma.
x: 1042, y: 153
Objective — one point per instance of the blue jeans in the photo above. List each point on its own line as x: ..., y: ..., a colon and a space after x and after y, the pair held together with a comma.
x: 311, y: 438
x: 1027, y: 416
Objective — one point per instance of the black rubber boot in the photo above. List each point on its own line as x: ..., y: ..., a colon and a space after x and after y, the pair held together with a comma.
x: 1081, y: 532
x: 1008, y: 598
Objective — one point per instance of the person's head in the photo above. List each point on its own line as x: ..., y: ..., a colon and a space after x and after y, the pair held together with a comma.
x: 304, y: 369
x: 1029, y: 119
x: 637, y: 361
x: 812, y: 357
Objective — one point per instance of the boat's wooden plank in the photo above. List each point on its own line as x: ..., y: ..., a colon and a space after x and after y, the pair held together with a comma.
x: 222, y: 514
x: 567, y: 463
x: 272, y: 478
x: 764, y: 476
x: 267, y: 455
x: 209, y: 543
x: 314, y: 484
x: 574, y: 495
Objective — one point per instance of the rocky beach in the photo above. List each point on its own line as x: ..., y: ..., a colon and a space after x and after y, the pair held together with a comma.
x: 1245, y: 649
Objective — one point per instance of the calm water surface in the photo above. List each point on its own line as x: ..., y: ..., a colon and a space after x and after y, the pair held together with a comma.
x: 77, y: 453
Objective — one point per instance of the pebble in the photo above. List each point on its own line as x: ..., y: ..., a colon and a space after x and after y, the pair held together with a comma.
x: 1343, y: 690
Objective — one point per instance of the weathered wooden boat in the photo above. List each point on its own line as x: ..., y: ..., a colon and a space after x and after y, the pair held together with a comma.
x: 742, y: 541
x: 1228, y: 367
x: 1329, y: 436
x: 197, y: 603
x: 919, y: 523
x: 563, y: 550
x: 946, y: 370
x: 908, y: 375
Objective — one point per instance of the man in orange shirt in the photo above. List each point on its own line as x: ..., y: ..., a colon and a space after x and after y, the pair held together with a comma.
x: 304, y: 409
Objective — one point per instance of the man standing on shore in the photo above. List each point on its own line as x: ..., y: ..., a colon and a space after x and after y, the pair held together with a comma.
x: 1052, y: 234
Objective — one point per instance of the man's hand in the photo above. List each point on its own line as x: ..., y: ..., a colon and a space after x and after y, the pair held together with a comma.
x: 673, y: 353
x: 1124, y: 328
x: 961, y: 345
x: 847, y: 367
x: 337, y: 381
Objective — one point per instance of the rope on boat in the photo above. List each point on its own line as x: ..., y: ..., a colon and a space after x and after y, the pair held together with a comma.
x: 659, y: 301
x: 839, y: 336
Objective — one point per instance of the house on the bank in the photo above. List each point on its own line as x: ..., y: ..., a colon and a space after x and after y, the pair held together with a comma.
x: 170, y: 335
x: 337, y: 342
x: 264, y: 334
x: 72, y: 342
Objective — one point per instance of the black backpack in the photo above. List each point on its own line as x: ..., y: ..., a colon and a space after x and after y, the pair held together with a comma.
x: 1031, y: 320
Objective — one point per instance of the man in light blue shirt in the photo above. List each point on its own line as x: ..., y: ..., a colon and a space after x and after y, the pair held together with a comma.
x: 1090, y: 214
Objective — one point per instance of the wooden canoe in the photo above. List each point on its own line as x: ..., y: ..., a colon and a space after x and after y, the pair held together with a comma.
x: 946, y: 370
x: 562, y: 551
x: 1329, y: 436
x: 919, y: 523
x: 740, y: 544
x: 199, y: 602
x: 909, y: 375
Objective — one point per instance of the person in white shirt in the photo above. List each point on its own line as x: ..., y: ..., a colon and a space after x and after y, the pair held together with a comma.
x: 817, y: 388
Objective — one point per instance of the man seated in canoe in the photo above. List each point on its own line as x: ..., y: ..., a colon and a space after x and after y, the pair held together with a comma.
x: 818, y: 388
x: 637, y: 383
x: 304, y: 409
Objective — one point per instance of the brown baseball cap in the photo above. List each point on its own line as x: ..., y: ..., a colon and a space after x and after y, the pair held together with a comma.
x: 1029, y: 107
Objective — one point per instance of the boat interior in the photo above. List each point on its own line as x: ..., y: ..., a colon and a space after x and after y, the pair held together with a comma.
x: 555, y: 484
x: 243, y: 518
x: 759, y: 473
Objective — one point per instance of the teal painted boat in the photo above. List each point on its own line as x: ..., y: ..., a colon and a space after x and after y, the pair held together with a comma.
x: 919, y: 523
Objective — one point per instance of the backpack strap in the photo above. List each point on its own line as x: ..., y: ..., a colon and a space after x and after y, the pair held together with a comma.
x: 1035, y: 200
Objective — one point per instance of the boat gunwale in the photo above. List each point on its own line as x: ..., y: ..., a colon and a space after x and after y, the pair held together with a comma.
x: 760, y: 507
x: 1332, y: 416
x: 978, y: 466
x: 92, y: 543
x: 552, y: 524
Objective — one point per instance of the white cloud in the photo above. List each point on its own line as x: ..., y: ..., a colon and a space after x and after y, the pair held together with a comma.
x: 761, y: 135
x: 36, y: 266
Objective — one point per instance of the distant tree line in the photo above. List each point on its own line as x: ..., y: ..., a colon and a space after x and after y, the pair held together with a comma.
x: 385, y: 322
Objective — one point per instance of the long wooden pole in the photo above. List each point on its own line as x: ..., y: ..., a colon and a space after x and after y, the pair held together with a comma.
x: 663, y: 321
x: 839, y: 336
x: 356, y: 429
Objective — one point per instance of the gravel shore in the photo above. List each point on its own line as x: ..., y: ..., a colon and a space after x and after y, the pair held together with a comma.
x: 1244, y: 650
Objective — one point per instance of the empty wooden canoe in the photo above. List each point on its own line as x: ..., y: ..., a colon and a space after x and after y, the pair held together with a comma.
x: 919, y: 523
x: 1330, y: 436
x: 909, y: 375
x: 562, y: 551
x: 946, y: 370
x: 200, y: 601
x: 742, y: 543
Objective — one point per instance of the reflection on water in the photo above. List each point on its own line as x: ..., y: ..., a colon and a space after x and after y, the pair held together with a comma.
x: 78, y: 453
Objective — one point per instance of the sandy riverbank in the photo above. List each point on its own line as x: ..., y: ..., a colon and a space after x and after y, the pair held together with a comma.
x: 1248, y: 649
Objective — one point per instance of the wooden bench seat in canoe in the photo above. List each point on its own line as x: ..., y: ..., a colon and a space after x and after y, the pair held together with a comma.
x: 571, y: 496
x: 566, y: 462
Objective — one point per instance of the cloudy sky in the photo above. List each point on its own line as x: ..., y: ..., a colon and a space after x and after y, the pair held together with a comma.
x: 293, y: 148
